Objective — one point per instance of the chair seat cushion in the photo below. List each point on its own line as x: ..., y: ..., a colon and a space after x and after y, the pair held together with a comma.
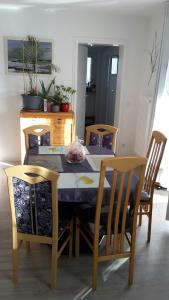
x: 86, y: 214
x: 144, y: 196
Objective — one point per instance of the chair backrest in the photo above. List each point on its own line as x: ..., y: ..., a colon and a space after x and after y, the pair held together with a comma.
x: 122, y: 190
x: 102, y: 135
x: 154, y: 155
x: 33, y: 200
x: 37, y: 135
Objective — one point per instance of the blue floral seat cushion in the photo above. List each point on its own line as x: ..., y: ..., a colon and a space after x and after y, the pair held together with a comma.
x: 86, y: 214
x: 45, y: 139
x: 105, y: 141
x: 33, y: 208
x: 35, y: 141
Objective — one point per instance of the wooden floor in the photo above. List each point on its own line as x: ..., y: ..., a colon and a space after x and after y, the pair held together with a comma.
x: 151, y: 280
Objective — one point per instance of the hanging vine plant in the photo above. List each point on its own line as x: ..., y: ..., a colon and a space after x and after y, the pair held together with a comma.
x: 153, y: 55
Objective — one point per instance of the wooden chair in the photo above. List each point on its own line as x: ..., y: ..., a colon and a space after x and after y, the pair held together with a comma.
x: 117, y: 219
x: 34, y: 212
x: 103, y: 135
x: 154, y: 155
x: 37, y: 135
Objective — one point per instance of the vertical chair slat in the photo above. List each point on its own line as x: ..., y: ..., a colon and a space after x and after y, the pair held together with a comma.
x: 111, y: 204
x: 126, y: 202
x: 117, y: 214
x: 151, y: 166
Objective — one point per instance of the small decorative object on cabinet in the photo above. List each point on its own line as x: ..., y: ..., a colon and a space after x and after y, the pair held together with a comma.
x: 76, y: 152
x: 50, y: 106
x: 62, y: 126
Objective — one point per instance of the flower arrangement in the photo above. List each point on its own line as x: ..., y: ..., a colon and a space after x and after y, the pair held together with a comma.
x: 76, y: 153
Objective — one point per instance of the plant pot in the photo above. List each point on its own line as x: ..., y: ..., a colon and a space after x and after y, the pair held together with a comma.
x: 32, y: 102
x: 56, y: 108
x: 50, y: 106
x: 64, y: 107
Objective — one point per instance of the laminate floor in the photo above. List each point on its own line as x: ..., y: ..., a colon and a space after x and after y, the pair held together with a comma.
x: 151, y: 278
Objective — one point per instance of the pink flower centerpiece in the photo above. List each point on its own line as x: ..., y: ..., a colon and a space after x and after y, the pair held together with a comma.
x: 76, y: 152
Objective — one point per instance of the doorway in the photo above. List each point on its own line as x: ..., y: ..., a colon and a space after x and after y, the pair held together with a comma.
x: 97, y: 74
x: 101, y: 81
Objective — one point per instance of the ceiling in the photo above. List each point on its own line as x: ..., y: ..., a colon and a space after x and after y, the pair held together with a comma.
x: 129, y: 7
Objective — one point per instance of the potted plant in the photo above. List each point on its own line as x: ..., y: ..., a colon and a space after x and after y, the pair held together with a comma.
x: 56, y: 98
x: 67, y: 92
x: 45, y: 92
x: 31, y: 97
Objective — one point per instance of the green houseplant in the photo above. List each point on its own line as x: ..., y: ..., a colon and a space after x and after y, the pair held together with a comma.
x: 31, y: 97
x: 67, y: 93
x: 45, y: 93
x: 56, y: 98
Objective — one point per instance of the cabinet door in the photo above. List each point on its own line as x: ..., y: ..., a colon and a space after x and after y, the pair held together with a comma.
x: 62, y: 131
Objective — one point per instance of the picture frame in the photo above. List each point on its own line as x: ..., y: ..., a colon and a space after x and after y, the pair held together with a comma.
x: 14, y: 52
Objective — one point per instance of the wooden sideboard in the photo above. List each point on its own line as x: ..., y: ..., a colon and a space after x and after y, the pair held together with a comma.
x: 62, y: 126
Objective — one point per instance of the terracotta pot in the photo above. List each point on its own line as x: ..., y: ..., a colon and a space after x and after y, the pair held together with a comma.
x: 64, y: 107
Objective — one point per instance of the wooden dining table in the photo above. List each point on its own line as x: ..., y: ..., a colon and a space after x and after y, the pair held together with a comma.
x: 78, y: 182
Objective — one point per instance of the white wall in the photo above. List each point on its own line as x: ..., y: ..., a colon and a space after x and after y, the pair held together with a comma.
x: 147, y: 100
x: 64, y: 28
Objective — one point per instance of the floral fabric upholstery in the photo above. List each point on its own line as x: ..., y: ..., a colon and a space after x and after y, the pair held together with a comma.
x: 45, y: 139
x: 22, y: 205
x: 105, y: 141
x: 33, y: 207
x: 35, y: 141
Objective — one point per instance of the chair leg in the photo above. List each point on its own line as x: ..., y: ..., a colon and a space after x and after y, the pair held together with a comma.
x: 15, y: 258
x: 71, y: 239
x: 149, y: 223
x: 54, y: 266
x: 28, y: 248
x: 77, y: 237
x: 131, y: 259
x: 94, y: 273
x: 140, y: 216
x: 131, y: 270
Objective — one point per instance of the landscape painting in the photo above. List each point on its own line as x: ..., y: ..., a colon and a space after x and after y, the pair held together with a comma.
x: 15, y: 56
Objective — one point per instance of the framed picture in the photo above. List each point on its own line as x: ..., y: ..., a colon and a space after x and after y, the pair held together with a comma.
x: 17, y: 49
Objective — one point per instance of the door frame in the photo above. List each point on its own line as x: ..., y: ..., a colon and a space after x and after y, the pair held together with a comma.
x: 123, y: 46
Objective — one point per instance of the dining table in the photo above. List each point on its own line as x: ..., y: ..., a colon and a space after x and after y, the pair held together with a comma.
x: 78, y: 182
